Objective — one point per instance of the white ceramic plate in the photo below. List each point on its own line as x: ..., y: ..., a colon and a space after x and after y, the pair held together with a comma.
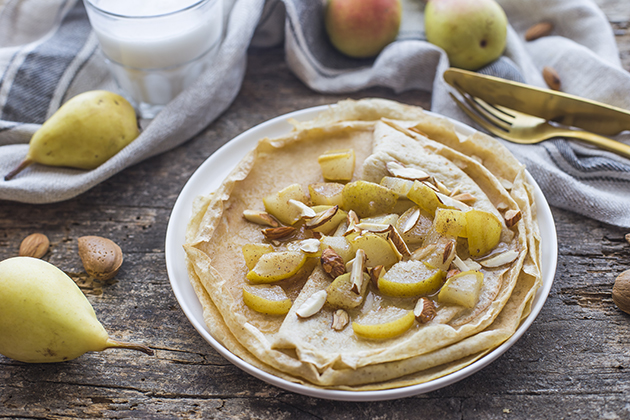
x: 209, y: 176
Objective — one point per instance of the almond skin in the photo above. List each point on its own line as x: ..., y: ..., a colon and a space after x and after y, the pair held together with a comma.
x: 101, y: 257
x: 34, y: 245
x: 621, y: 291
x: 538, y: 31
x: 551, y: 78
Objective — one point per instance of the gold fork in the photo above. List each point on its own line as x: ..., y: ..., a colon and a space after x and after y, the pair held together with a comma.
x: 522, y: 128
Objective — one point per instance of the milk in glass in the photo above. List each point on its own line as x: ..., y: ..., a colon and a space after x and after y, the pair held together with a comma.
x: 156, y: 48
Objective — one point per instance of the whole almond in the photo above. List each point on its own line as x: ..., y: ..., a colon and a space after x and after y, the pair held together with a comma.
x: 101, y: 257
x: 538, y: 31
x: 551, y: 78
x: 34, y: 245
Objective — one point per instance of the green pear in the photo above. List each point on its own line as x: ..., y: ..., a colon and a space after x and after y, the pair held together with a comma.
x: 83, y: 133
x: 362, y: 28
x: 473, y: 33
x: 45, y: 317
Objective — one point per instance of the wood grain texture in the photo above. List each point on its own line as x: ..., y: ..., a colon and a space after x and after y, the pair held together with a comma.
x: 572, y: 363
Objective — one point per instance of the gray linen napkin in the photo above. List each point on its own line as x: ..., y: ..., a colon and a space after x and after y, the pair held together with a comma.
x: 582, y: 49
x: 48, y: 54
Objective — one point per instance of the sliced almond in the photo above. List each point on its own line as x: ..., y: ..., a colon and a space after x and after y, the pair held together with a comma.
x: 442, y: 188
x: 430, y: 185
x: 424, y: 310
x: 373, y: 227
x: 465, y: 198
x: 310, y: 246
x: 465, y: 265
x: 506, y: 184
x: 394, y: 237
x: 449, y: 249
x: 401, y: 171
x: 352, y: 222
x: 307, y: 212
x: 356, y: 275
x: 411, y: 221
x: 323, y: 217
x: 312, y: 305
x: 281, y: 232
x: 375, y: 273
x: 340, y: 320
x: 500, y: 259
x: 512, y: 217
x: 260, y: 218
x: 451, y: 202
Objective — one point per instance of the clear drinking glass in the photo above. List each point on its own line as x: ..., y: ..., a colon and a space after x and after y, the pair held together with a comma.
x: 156, y: 48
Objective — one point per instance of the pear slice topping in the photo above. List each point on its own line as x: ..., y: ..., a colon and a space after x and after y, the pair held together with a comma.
x: 267, y: 299
x: 387, y: 329
x: 276, y: 266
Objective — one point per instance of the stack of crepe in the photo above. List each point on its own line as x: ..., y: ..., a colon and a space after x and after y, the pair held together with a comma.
x: 307, y: 350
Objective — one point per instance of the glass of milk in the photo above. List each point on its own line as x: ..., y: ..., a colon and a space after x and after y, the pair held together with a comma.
x: 156, y: 48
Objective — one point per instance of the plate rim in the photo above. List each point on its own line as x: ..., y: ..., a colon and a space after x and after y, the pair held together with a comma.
x: 175, y: 238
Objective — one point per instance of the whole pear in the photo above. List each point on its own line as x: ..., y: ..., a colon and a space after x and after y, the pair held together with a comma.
x: 83, y: 133
x: 45, y: 317
x: 472, y: 32
x: 362, y: 28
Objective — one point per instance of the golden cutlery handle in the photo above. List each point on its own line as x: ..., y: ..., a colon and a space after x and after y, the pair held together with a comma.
x: 599, y: 141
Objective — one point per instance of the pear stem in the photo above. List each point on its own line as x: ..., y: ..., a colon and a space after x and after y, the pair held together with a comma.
x: 17, y: 170
x: 111, y: 343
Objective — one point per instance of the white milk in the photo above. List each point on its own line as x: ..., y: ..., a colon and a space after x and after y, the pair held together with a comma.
x: 153, y: 59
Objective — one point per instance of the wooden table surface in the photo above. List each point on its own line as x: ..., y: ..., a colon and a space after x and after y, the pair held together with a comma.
x: 573, y: 362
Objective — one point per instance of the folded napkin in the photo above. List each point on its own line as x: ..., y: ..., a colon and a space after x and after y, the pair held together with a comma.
x: 582, y: 49
x: 48, y: 54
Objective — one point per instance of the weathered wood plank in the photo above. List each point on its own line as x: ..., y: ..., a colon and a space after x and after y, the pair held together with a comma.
x: 571, y: 363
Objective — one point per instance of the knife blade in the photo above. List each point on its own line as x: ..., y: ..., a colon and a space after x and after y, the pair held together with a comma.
x: 559, y: 107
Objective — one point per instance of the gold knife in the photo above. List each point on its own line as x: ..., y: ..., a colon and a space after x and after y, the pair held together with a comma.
x: 559, y: 107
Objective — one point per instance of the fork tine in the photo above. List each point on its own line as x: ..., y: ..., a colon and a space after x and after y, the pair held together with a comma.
x: 478, y: 119
x: 483, y: 108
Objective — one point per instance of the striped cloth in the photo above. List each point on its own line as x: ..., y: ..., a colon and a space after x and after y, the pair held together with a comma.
x: 48, y: 54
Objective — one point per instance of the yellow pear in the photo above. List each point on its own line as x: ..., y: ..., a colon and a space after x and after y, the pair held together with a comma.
x: 83, y: 133
x: 45, y: 317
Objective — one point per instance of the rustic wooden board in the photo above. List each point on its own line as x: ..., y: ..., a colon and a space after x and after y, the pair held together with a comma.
x: 572, y: 362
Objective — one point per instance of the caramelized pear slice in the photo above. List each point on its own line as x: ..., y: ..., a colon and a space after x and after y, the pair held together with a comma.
x: 425, y: 197
x: 267, y: 299
x: 411, y: 279
x: 368, y: 199
x: 276, y: 266
x: 326, y: 193
x: 451, y: 222
x: 277, y: 204
x: 337, y: 165
x: 378, y: 249
x: 462, y: 289
x: 386, y: 328
x: 484, y: 232
x: 253, y: 252
x: 340, y: 294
